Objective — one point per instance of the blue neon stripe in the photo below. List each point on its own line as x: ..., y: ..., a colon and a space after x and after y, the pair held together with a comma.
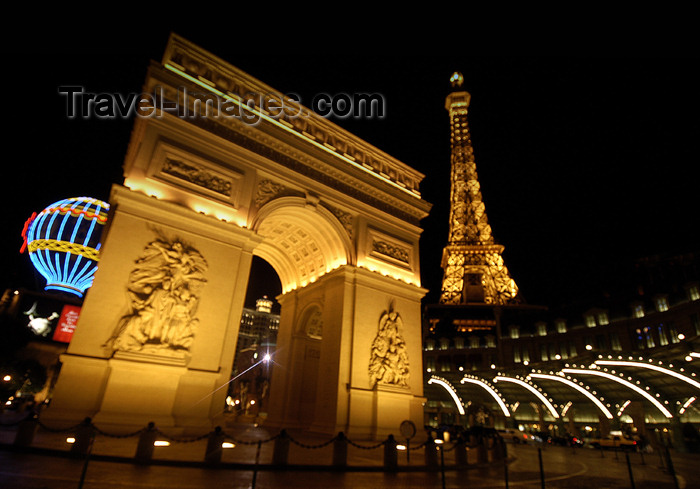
x: 76, y: 263
x: 89, y: 232
x: 66, y: 219
x: 58, y: 269
x: 81, y: 275
x: 49, y: 265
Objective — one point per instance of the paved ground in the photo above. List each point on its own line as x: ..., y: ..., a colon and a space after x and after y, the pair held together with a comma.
x: 47, y: 464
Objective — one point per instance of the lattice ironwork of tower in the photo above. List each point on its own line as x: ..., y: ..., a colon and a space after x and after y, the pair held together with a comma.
x: 474, y: 271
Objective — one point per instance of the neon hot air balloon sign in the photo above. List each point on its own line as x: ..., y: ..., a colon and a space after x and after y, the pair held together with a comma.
x: 63, y: 242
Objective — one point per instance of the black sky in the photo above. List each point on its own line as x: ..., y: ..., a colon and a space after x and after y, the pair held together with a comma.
x: 585, y: 163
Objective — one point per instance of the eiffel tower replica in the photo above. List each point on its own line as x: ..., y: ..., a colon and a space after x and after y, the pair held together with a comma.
x: 479, y: 297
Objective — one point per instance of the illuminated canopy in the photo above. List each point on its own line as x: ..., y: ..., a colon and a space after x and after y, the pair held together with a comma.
x: 446, y: 385
x: 63, y: 242
x: 650, y: 366
x: 532, y: 389
x: 629, y: 385
x: 573, y: 385
x: 490, y: 390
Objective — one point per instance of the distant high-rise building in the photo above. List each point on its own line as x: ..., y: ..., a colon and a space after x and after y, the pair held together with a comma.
x: 259, y: 327
x: 257, y: 338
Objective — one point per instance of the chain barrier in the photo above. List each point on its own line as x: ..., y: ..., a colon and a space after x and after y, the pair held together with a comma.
x: 58, y: 430
x: 19, y: 421
x: 454, y: 445
x: 312, y: 447
x: 361, y: 447
x: 180, y: 440
x: 110, y: 435
x: 226, y: 435
x: 418, y: 447
x: 251, y: 442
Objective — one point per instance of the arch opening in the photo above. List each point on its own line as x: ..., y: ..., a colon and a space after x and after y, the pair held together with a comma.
x: 301, y: 242
x: 251, y: 371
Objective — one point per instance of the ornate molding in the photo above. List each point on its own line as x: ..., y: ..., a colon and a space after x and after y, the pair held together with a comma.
x: 251, y: 138
x: 266, y: 191
x: 396, y: 252
x: 345, y: 218
x: 197, y: 175
x: 202, y: 65
x: 310, y: 127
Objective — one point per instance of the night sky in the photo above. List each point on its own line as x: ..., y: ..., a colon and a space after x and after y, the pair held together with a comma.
x: 585, y: 164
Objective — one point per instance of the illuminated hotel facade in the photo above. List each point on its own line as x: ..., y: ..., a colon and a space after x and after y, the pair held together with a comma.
x: 626, y: 361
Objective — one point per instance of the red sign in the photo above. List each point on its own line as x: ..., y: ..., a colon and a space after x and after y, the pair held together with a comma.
x: 66, y: 324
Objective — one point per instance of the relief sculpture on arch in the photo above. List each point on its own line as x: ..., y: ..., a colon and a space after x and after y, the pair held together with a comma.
x: 388, y: 363
x: 164, y: 291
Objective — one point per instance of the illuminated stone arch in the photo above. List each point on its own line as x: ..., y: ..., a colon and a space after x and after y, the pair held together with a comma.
x: 302, y: 242
x: 336, y: 218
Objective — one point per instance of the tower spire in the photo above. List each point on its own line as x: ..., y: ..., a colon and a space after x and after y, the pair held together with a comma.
x: 472, y: 261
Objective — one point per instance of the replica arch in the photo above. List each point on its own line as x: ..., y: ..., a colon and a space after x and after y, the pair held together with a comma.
x: 203, y: 193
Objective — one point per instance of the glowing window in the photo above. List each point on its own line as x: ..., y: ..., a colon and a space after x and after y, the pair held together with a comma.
x: 615, y: 342
x: 541, y: 329
x: 695, y: 321
x: 673, y: 333
x: 649, y: 338
x: 638, y: 311
x: 603, y: 319
x: 561, y: 326
x: 663, y: 339
x: 515, y: 332
x: 590, y: 321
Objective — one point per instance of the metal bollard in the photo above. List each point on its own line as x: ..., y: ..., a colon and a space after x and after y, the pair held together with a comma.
x: 84, y: 435
x: 280, y: 451
x: 431, y: 456
x: 496, y: 450
x: 340, y: 450
x: 26, y: 431
x: 461, y: 454
x: 391, y: 456
x: 144, y: 448
x: 482, y: 451
x: 629, y: 470
x: 214, y: 449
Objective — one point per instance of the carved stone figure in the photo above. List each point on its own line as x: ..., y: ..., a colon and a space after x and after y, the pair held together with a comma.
x: 164, y: 293
x: 389, y: 360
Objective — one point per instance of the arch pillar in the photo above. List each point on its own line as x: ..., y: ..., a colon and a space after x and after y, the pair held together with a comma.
x: 352, y: 302
x: 127, y: 379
